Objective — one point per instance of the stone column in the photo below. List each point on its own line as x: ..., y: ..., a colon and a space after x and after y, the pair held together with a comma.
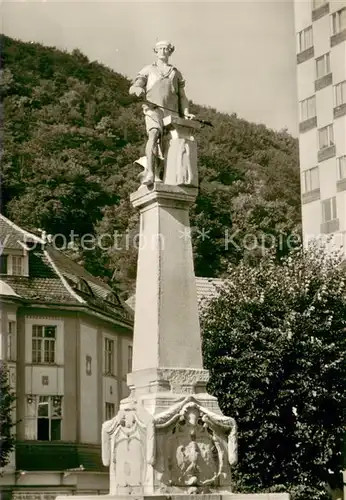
x: 167, y: 355
x: 166, y: 316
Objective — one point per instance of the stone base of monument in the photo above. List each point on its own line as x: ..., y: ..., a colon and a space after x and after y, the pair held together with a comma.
x: 169, y: 444
x: 166, y: 443
x: 234, y: 496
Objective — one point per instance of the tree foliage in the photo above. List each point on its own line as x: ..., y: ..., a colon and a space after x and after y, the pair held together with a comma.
x: 71, y: 134
x: 7, y: 398
x: 274, y: 342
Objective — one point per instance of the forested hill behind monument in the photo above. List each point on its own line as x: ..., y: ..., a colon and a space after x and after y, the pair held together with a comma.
x: 71, y: 133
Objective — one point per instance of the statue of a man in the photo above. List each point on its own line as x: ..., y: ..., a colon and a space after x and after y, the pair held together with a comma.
x: 161, y: 84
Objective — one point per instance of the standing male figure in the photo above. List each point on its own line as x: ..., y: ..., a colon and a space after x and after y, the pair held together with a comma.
x: 162, y: 85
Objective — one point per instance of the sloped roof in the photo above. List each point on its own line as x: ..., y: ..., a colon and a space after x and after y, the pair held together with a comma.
x: 11, y: 235
x: 43, y: 284
x: 55, y: 278
x: 206, y: 288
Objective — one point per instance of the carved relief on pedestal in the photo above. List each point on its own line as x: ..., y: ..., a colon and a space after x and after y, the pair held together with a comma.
x: 199, y: 448
x: 186, y: 448
x: 184, y: 381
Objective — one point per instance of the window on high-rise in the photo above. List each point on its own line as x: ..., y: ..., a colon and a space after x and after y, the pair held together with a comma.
x: 329, y: 209
x: 341, y: 167
x: 339, y: 21
x: 323, y: 66
x: 326, y: 136
x: 305, y: 40
x: 43, y: 344
x: 318, y: 3
x: 310, y: 180
x: 340, y: 93
x: 308, y: 108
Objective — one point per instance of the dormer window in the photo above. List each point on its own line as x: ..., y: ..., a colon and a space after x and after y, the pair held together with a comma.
x: 13, y: 265
x: 83, y: 286
x: 112, y: 299
x: 3, y: 264
x: 17, y: 265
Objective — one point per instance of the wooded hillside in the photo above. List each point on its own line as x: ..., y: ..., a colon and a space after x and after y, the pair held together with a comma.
x: 71, y: 133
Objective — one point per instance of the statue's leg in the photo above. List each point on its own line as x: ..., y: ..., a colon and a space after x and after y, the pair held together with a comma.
x: 158, y: 170
x: 151, y: 154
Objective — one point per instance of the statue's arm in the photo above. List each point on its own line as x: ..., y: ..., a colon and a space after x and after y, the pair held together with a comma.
x: 184, y: 103
x: 140, y: 82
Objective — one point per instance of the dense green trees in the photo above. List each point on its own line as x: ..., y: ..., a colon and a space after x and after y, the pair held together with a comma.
x: 7, y: 398
x: 274, y: 342
x: 71, y: 133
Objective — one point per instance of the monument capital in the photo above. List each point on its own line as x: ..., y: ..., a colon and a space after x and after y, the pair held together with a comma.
x: 163, y: 194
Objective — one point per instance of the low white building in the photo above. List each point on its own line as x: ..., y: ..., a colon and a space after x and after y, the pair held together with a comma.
x: 67, y: 339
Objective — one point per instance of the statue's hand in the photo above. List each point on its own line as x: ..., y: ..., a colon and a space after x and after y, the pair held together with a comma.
x: 189, y: 116
x: 138, y: 91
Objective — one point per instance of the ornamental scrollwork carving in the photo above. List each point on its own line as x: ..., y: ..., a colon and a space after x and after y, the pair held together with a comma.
x: 199, y: 446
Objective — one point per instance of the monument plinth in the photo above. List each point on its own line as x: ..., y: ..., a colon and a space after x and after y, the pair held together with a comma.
x: 170, y: 435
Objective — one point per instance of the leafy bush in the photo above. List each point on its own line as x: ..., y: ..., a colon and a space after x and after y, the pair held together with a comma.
x: 274, y: 341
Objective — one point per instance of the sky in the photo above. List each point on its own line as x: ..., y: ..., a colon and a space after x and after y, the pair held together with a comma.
x: 236, y: 56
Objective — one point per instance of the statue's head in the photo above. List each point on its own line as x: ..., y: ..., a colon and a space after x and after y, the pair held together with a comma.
x: 164, y: 47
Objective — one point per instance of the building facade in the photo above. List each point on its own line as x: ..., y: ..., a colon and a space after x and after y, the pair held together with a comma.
x: 321, y: 77
x: 67, y: 340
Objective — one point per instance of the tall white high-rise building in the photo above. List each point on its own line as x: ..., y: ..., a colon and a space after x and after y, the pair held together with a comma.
x: 321, y: 76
